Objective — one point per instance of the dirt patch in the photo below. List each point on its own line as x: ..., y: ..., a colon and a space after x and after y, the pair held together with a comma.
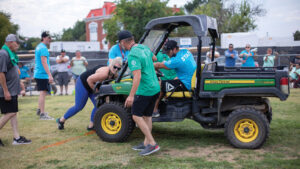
x: 216, y: 153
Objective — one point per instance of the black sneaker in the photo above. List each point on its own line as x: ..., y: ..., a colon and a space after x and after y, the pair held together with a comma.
x: 149, y: 149
x: 139, y: 147
x: 1, y: 144
x: 21, y: 140
x: 60, y: 125
x: 90, y: 128
x: 38, y: 112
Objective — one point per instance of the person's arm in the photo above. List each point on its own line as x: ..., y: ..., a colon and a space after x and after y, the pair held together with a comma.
x: 227, y: 54
x: 217, y: 54
x: 66, y: 59
x: 100, y: 75
x: 71, y: 63
x: 59, y: 59
x: 23, y: 91
x: 160, y: 65
x: 7, y: 96
x: 45, y: 65
x: 154, y: 58
x: 135, y: 85
x: 85, y: 62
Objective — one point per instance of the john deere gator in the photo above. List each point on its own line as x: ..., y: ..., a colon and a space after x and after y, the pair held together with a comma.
x: 234, y: 98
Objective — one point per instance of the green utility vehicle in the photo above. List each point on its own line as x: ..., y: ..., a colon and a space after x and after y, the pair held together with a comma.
x: 233, y: 98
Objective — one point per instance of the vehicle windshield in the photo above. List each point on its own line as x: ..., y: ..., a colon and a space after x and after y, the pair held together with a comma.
x: 154, y: 38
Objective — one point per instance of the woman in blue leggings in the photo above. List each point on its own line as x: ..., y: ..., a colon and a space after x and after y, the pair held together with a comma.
x: 84, y: 89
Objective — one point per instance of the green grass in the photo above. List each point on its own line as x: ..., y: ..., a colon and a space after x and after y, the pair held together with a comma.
x: 183, y: 144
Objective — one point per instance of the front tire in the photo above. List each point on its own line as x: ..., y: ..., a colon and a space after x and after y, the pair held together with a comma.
x: 113, y: 123
x: 247, y: 128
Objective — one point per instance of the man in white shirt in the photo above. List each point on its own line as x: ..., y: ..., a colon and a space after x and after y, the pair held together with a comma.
x: 62, y: 71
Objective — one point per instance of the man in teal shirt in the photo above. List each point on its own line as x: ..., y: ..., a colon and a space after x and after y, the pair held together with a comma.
x: 42, y: 74
x: 144, y: 92
x: 269, y: 59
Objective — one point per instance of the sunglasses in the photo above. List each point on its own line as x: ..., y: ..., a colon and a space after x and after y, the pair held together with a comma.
x: 116, y: 67
x: 247, y: 46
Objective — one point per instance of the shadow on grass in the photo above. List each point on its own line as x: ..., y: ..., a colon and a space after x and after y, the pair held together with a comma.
x: 182, y: 135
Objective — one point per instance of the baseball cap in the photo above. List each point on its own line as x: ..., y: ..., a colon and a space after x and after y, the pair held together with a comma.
x: 13, y: 38
x: 124, y: 35
x: 45, y: 34
x: 171, y: 44
x: 62, y: 51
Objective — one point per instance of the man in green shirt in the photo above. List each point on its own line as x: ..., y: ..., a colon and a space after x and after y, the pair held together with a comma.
x: 144, y: 92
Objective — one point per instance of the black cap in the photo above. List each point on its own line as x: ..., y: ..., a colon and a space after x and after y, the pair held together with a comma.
x: 45, y: 34
x: 124, y: 35
x: 171, y: 44
x: 62, y: 51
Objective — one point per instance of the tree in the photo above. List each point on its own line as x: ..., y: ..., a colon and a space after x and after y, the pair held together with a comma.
x: 235, y: 18
x: 297, y: 35
x: 6, y: 27
x: 133, y: 15
x: 77, y: 33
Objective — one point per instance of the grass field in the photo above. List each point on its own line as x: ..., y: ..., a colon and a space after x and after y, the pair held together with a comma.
x: 183, y: 145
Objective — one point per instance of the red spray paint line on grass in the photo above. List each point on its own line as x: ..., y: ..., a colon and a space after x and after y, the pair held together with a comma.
x: 64, y: 141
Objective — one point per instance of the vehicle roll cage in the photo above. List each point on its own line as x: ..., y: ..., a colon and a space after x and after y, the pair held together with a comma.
x: 202, y: 26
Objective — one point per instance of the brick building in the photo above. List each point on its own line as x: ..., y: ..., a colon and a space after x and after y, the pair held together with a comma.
x: 94, y: 23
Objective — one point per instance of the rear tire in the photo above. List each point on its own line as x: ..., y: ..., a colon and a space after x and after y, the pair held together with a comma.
x: 247, y: 128
x: 113, y: 123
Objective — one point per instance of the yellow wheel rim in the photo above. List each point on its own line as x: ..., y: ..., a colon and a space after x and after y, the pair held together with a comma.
x: 111, y: 123
x: 246, y: 130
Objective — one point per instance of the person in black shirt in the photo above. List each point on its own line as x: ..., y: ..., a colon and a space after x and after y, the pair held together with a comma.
x: 84, y: 89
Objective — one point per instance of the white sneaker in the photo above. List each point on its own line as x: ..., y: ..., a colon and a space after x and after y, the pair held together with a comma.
x: 45, y: 116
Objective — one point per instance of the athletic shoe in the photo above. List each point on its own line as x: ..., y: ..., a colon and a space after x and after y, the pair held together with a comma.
x: 139, y: 147
x: 1, y: 144
x: 38, y: 112
x: 45, y: 116
x: 21, y: 140
x: 149, y: 149
x: 90, y: 128
x: 155, y: 114
x: 60, y: 125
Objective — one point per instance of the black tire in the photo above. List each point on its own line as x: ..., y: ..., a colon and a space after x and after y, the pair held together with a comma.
x: 244, y: 121
x: 118, y: 124
x: 269, y: 115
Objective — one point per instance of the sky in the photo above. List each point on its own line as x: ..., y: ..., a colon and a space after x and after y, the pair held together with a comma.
x: 33, y: 16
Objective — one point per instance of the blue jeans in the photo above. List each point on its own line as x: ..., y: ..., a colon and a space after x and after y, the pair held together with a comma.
x: 81, y: 97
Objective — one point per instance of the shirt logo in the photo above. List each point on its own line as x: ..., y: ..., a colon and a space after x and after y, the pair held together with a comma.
x: 133, y: 62
x: 169, y: 87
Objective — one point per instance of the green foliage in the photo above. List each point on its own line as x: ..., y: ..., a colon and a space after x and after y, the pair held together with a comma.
x: 297, y: 35
x: 190, y: 6
x: 6, y: 27
x: 111, y: 27
x: 235, y: 18
x: 77, y: 33
x: 133, y: 15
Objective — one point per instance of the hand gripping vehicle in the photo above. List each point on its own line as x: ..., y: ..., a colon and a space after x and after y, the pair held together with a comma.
x: 234, y: 98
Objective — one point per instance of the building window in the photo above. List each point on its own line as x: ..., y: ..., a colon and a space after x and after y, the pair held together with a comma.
x: 104, y: 11
x: 104, y: 31
x: 93, y: 31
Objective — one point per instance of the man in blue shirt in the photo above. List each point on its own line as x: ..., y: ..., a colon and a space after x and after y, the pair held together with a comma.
x: 42, y: 73
x: 118, y: 49
x: 230, y: 56
x: 182, y: 61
